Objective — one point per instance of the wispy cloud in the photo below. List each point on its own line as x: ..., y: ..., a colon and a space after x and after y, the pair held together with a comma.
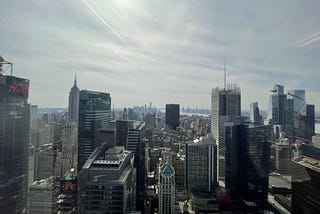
x: 309, y: 40
x: 105, y: 22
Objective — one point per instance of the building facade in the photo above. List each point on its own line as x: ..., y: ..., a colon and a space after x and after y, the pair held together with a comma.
x: 255, y: 116
x: 108, y: 182
x: 173, y: 116
x: 201, y: 165
x: 305, y: 185
x: 94, y: 115
x: 14, y: 142
x: 225, y: 106
x: 166, y: 189
x: 73, y: 109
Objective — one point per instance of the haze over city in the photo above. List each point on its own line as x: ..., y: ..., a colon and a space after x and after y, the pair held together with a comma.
x: 162, y: 51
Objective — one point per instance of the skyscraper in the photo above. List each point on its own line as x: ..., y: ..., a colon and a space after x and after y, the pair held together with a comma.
x: 253, y: 163
x: 298, y: 97
x: 255, y: 116
x: 277, y: 106
x: 225, y: 107
x: 14, y: 142
x: 201, y: 165
x: 94, y: 115
x: 73, y: 110
x: 305, y: 185
x: 166, y: 189
x: 173, y: 116
x: 137, y: 144
x: 107, y: 181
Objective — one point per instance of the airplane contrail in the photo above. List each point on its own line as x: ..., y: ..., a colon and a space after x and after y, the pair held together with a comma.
x: 105, y: 22
x: 310, y: 39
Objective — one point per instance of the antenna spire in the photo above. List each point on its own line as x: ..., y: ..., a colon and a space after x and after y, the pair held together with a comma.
x: 225, y: 73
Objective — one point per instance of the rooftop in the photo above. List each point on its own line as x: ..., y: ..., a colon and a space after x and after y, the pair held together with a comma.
x: 308, y: 162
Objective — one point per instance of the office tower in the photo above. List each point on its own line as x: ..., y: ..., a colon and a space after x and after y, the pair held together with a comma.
x: 255, y: 116
x: 42, y: 197
x: 201, y: 165
x: 31, y: 164
x: 45, y: 160
x: 94, y: 115
x: 172, y: 116
x: 253, y: 163
x: 225, y: 106
x: 14, y: 141
x: 68, y: 156
x: 73, y: 110
x: 107, y: 136
x: 130, y: 114
x: 232, y: 159
x: 305, y: 185
x: 107, y: 181
x: 306, y: 124
x: 282, y: 156
x: 122, y: 127
x: 277, y: 106
x: 310, y: 122
x: 298, y: 98
x: 316, y: 140
x: 179, y: 164
x: 150, y: 120
x: 137, y: 144
x: 166, y: 189
x: 34, y: 123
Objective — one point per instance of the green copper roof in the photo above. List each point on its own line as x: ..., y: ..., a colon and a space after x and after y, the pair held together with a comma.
x: 167, y: 169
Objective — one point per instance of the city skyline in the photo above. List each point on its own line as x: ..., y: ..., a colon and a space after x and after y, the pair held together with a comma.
x: 141, y: 52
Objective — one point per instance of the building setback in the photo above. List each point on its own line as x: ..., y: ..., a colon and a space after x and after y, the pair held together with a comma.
x: 14, y: 142
x: 108, y: 182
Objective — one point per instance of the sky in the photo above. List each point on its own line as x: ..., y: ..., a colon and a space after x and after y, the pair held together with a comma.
x: 162, y: 51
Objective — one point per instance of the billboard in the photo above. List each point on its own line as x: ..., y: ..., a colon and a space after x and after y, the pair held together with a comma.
x: 68, y: 185
x: 11, y: 86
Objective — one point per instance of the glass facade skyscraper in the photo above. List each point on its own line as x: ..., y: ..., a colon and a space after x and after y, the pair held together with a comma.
x: 14, y: 143
x: 225, y: 107
x: 173, y: 115
x: 94, y: 115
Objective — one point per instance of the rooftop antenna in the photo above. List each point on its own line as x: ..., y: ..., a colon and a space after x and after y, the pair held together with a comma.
x: 225, y: 73
x: 4, y: 62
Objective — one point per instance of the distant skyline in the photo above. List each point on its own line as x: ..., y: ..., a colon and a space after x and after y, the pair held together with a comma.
x: 166, y: 51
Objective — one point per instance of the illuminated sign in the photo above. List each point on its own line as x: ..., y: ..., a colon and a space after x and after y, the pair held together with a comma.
x: 68, y: 185
x: 14, y: 87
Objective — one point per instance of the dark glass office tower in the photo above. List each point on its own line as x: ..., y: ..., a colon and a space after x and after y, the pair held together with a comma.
x: 14, y: 143
x: 253, y: 163
x: 173, y: 116
x: 137, y: 144
x: 94, y: 115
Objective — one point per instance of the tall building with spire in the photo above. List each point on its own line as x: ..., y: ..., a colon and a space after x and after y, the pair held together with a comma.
x: 166, y: 189
x: 73, y: 110
x: 225, y: 107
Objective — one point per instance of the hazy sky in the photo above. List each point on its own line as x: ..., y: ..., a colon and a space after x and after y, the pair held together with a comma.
x: 162, y: 51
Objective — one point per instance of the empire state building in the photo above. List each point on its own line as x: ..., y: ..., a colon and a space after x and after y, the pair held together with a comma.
x: 73, y: 110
